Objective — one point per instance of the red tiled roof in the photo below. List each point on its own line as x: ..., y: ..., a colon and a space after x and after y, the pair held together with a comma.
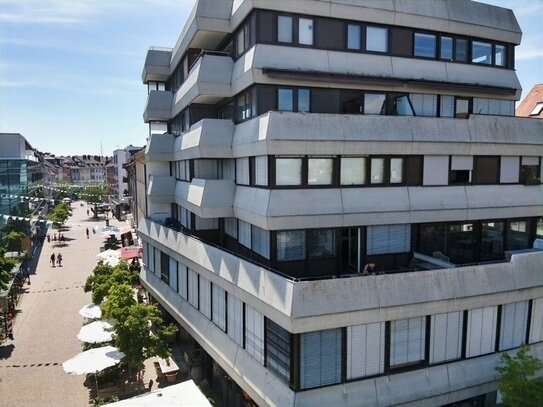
x: 531, y: 100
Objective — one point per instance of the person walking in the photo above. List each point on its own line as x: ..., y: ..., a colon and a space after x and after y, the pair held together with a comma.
x: 59, y: 259
x: 87, y: 232
x: 53, y: 259
x: 48, y: 239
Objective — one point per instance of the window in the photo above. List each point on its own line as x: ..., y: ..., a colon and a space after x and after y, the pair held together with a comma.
x: 254, y: 333
x: 407, y: 340
x: 446, y: 106
x: 320, y: 358
x: 462, y: 243
x: 529, y: 170
x: 461, y: 167
x: 351, y: 102
x: 218, y: 297
x: 481, y: 52
x: 242, y: 171
x: 492, y: 240
x: 278, y: 350
x: 385, y: 239
x: 365, y: 350
x: 500, y: 55
x: 321, y: 243
x: 305, y: 31
x: 396, y: 170
x: 425, y: 45
x: 235, y: 319
x: 353, y: 171
x: 285, y: 99
x: 486, y: 170
x: 537, y: 109
x: 231, y: 227
x: 536, y: 326
x: 319, y: 171
x: 424, y: 104
x: 260, y: 241
x: 374, y: 103
x: 376, y: 39
x: 290, y: 245
x: 205, y: 297
x: 353, y: 36
x: 481, y: 331
x: 462, y: 108
x: 288, y: 171
x: 517, y: 235
x: 446, y: 336
x: 173, y: 269
x: 461, y: 50
x: 284, y: 29
x: 446, y: 48
x: 304, y: 97
x: 243, y: 39
x: 261, y: 170
x: 509, y: 172
x: 244, y: 233
x: 193, y: 288
x: 183, y: 280
x: 513, y: 326
x: 377, y: 170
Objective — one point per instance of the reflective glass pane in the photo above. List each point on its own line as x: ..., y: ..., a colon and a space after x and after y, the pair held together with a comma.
x: 517, y: 235
x: 500, y: 57
x: 377, y: 170
x: 305, y: 31
x: 462, y: 108
x: 491, y: 240
x: 377, y: 39
x: 291, y: 245
x: 374, y: 103
x: 396, y: 170
x: 321, y: 243
x: 303, y: 100
x: 353, y: 36
x: 461, y: 52
x: 284, y: 29
x: 425, y: 45
x: 288, y: 171
x: 285, y: 100
x: 353, y: 171
x: 446, y: 48
x: 481, y: 52
x: 319, y: 171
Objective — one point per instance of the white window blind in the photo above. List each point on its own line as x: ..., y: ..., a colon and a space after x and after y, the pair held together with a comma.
x: 182, y: 275
x: 462, y: 162
x: 320, y: 358
x: 446, y: 106
x: 536, y: 321
x: 365, y: 350
x: 436, y: 170
x: 388, y: 239
x: 229, y: 169
x: 526, y: 160
x: 218, y: 306
x: 254, y: 333
x: 146, y: 254
x: 205, y: 297
x: 407, y: 339
x: 260, y: 241
x: 423, y: 104
x: 231, y: 227
x: 509, y: 169
x: 156, y: 257
x: 151, y: 264
x: 244, y: 233
x: 193, y: 288
x: 235, y: 319
x: 513, y: 325
x: 173, y: 274
x: 261, y: 170
x: 446, y: 336
x: 481, y: 334
x: 242, y: 171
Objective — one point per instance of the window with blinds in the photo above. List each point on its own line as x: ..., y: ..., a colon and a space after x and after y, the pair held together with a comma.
x: 151, y: 258
x: 435, y: 170
x: 173, y: 279
x: 320, y: 358
x: 446, y: 336
x: 260, y: 241
x: 536, y: 322
x: 514, y: 324
x: 157, y: 258
x: 231, y: 227
x: 228, y: 169
x: 388, y: 239
x: 183, y: 280
x: 146, y: 254
x: 261, y: 170
x: 205, y: 297
x: 365, y: 350
x: 244, y: 231
x: 278, y: 350
x: 509, y: 169
x: 424, y: 104
x: 235, y: 319
x: 446, y: 106
x: 193, y: 288
x: 481, y: 332
x: 407, y: 340
x: 254, y: 333
x: 218, y: 306
x: 242, y: 171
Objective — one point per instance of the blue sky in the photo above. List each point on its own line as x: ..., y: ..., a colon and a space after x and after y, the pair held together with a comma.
x: 70, y: 70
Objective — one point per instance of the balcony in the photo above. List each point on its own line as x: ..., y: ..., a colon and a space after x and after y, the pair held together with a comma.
x: 161, y: 188
x: 206, y: 198
x: 208, y: 82
x: 209, y: 138
x: 159, y: 147
x: 157, y: 65
x: 158, y: 106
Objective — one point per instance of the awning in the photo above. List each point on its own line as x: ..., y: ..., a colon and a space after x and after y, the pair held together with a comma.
x: 129, y: 252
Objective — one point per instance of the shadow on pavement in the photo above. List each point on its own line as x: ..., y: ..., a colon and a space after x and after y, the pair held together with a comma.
x: 6, y: 351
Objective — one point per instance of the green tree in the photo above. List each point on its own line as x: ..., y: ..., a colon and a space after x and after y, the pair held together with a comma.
x: 104, y: 277
x: 60, y: 213
x: 13, y: 241
x: 516, y: 382
x: 6, y: 265
x: 119, y: 300
x: 138, y: 342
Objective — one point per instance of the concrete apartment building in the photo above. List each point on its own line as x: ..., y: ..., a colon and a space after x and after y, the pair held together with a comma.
x: 291, y: 144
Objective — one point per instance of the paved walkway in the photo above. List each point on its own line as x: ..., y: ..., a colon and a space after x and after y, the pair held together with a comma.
x: 48, y: 321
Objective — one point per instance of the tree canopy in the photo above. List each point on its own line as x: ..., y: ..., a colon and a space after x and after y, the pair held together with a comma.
x: 516, y: 379
x: 104, y: 277
x: 60, y: 213
x: 118, y: 302
x: 13, y: 241
x: 6, y: 265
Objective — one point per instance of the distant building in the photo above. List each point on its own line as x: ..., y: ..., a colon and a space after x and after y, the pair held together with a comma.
x: 532, y: 105
x: 87, y: 169
x: 135, y: 169
x: 121, y: 196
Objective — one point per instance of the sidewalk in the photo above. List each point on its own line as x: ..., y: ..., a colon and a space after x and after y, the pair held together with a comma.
x: 47, y: 322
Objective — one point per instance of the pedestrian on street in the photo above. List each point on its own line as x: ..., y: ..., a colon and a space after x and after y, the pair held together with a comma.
x: 55, y: 237
x: 48, y: 239
x: 87, y: 232
x: 53, y: 259
x: 59, y: 259
x: 87, y: 212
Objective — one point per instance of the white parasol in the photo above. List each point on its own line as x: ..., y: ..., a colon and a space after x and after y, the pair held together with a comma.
x: 91, y: 311
x: 96, y: 332
x: 108, y: 253
x: 93, y: 361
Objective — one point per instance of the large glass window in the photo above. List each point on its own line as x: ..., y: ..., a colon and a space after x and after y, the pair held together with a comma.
x: 377, y: 170
x: 319, y: 171
x: 374, y: 103
x: 353, y: 171
x: 376, y: 39
x: 288, y: 171
x: 278, y: 350
x: 432, y: 240
x: 492, y: 240
x: 321, y: 243
x: 353, y: 36
x: 320, y: 358
x: 396, y: 170
x: 304, y: 100
x: 462, y: 244
x: 284, y: 29
x: 481, y: 52
x: 461, y: 50
x: 305, y: 31
x: 500, y: 55
x: 461, y: 108
x: 254, y: 333
x: 290, y: 245
x: 446, y: 48
x: 517, y: 235
x: 425, y: 45
x: 285, y: 99
x: 260, y: 241
x: 407, y: 341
